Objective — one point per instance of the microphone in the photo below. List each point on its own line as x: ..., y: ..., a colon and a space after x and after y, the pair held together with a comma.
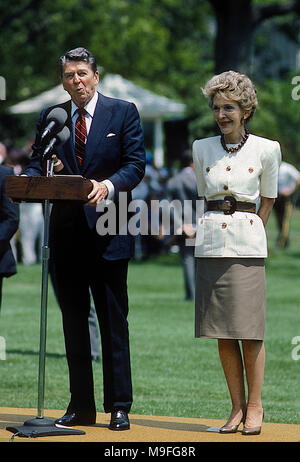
x: 58, y: 139
x: 56, y: 120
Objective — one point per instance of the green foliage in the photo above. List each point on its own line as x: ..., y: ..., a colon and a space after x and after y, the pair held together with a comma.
x: 166, y: 46
x: 278, y: 117
x: 149, y: 40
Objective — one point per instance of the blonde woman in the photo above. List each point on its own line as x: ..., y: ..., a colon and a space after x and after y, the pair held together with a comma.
x: 237, y: 174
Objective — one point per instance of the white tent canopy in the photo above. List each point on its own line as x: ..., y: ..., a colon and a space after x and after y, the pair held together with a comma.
x: 150, y: 106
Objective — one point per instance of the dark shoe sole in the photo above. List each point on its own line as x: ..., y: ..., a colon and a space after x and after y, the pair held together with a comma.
x: 119, y: 429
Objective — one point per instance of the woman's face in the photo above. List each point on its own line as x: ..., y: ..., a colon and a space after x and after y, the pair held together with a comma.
x: 229, y: 117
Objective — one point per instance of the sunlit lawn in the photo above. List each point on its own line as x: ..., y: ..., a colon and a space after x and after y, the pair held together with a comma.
x: 173, y: 373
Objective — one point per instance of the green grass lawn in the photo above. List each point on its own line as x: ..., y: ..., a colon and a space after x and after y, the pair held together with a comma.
x: 173, y: 373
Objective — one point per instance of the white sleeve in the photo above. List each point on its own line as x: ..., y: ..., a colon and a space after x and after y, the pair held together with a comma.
x: 269, y: 178
x: 111, y: 189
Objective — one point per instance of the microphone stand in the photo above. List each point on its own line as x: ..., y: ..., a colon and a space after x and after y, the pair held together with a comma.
x: 40, y: 426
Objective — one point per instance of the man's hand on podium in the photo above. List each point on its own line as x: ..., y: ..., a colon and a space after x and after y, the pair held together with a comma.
x: 98, y: 193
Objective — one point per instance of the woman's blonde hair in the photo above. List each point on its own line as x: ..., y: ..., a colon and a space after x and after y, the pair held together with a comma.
x: 235, y: 86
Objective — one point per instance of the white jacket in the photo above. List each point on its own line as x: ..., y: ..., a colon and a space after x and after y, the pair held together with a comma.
x: 247, y: 175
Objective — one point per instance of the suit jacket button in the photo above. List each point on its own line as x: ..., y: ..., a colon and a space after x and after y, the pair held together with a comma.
x: 207, y: 169
x: 250, y: 170
x: 228, y: 168
x: 225, y: 187
x: 224, y: 225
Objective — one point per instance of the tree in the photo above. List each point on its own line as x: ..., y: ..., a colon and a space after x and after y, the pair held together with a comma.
x: 237, y: 21
x: 156, y: 43
x: 167, y: 46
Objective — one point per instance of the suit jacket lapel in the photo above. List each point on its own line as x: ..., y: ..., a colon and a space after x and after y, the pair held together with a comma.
x: 101, y: 118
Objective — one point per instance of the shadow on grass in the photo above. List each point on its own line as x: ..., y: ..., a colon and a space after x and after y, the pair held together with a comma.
x: 34, y: 353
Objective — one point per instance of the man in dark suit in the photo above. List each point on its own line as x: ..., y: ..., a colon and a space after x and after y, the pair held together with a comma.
x: 113, y: 158
x: 183, y: 188
x: 9, y: 222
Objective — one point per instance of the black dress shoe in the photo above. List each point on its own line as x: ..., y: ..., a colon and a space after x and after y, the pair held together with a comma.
x: 70, y: 420
x: 119, y: 420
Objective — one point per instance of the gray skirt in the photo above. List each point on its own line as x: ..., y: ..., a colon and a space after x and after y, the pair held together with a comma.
x: 230, y: 301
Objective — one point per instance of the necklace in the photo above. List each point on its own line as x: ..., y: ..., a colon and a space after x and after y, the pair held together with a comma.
x: 239, y: 146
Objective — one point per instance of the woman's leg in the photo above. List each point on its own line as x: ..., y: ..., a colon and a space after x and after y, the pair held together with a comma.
x: 254, y: 360
x: 232, y: 363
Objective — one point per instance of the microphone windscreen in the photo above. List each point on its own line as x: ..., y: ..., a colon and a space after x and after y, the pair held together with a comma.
x: 57, y: 115
x: 63, y: 136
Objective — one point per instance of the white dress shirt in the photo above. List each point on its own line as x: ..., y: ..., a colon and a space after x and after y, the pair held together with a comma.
x: 288, y: 178
x: 247, y: 175
x: 89, y: 114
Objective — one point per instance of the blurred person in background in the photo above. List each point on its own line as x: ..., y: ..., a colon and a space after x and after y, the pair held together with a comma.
x: 183, y: 187
x: 9, y: 222
x: 3, y: 153
x: 288, y: 182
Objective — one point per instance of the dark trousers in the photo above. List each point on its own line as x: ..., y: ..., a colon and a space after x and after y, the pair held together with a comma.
x: 75, y: 268
x: 283, y: 209
x: 189, y: 269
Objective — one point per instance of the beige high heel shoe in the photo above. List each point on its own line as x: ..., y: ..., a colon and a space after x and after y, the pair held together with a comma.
x: 232, y: 428
x: 253, y: 430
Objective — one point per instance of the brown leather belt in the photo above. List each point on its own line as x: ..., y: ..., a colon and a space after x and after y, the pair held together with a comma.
x: 229, y: 205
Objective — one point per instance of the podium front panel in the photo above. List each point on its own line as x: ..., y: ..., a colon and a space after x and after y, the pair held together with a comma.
x: 54, y: 188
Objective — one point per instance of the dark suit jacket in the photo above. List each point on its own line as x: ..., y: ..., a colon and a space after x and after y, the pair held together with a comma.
x: 9, y: 222
x: 119, y: 158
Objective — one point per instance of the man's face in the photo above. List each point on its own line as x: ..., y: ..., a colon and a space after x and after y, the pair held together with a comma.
x: 79, y: 81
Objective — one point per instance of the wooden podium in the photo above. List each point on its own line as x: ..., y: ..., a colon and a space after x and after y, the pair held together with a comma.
x: 53, y: 188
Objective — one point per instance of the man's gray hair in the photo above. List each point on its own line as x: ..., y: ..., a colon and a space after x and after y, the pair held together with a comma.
x: 78, y: 54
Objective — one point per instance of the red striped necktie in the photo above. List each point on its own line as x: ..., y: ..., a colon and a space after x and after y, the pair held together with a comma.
x: 80, y: 136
